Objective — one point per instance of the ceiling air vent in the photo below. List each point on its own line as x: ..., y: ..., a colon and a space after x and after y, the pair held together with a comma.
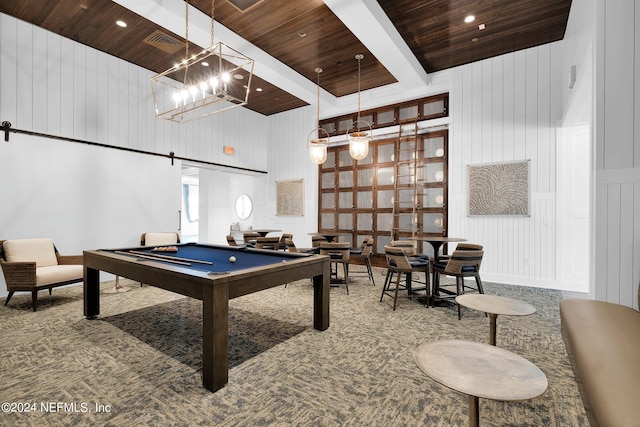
x: 164, y: 41
x: 244, y: 5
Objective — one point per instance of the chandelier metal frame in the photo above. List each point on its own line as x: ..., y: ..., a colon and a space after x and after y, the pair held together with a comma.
x: 214, y: 80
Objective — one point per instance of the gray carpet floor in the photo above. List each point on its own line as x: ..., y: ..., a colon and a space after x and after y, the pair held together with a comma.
x: 140, y: 362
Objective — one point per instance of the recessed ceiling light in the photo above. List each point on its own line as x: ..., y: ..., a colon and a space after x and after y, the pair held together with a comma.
x: 121, y: 24
x: 204, y: 63
x: 469, y: 18
x: 258, y: 89
x: 475, y: 39
x: 238, y: 76
x: 481, y: 27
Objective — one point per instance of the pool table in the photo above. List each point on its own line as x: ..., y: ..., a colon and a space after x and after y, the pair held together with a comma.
x: 206, y: 273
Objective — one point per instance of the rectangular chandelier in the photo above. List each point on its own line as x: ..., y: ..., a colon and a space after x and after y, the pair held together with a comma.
x: 215, y: 80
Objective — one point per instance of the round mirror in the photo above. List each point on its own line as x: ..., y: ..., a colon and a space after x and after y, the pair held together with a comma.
x: 243, y: 206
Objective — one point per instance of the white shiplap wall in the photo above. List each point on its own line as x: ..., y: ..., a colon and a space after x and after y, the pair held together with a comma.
x: 504, y: 109
x: 289, y: 159
x: 82, y: 93
x: 617, y: 152
x: 88, y: 197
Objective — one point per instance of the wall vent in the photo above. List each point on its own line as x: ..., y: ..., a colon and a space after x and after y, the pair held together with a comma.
x: 164, y: 41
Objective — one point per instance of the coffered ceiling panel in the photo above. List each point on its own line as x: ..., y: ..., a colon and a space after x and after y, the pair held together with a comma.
x: 293, y: 37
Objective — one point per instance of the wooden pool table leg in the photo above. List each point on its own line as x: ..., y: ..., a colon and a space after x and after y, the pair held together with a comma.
x: 321, y: 291
x: 91, y: 291
x: 215, y: 336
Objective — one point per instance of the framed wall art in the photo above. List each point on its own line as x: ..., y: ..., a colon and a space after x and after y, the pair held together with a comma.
x: 499, y: 189
x: 290, y: 198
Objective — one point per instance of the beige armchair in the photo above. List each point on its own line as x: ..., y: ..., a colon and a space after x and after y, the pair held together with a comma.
x: 148, y: 239
x: 159, y: 239
x: 31, y: 265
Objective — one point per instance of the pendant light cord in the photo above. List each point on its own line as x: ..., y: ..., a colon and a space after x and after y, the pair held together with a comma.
x: 186, y: 30
x: 318, y: 70
x: 359, y: 56
x: 212, y: 10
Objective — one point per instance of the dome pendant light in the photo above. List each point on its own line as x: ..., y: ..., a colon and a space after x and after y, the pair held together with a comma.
x: 318, y: 139
x: 359, y: 133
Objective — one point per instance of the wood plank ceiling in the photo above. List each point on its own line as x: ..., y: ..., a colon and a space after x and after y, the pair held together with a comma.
x: 305, y: 34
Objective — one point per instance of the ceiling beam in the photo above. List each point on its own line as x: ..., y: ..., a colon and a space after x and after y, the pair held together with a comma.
x: 170, y: 14
x: 364, y: 18
x: 369, y: 23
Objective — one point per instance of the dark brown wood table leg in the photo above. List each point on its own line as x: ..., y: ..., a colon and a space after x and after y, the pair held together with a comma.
x: 321, y: 291
x: 492, y: 328
x: 474, y: 411
x: 215, y: 336
x: 91, y: 291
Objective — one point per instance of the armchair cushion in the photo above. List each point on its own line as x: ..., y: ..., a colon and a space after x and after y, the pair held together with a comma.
x: 40, y: 251
x: 157, y: 239
x: 58, y: 273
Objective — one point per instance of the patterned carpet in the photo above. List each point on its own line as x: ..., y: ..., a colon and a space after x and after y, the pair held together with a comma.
x: 140, y: 362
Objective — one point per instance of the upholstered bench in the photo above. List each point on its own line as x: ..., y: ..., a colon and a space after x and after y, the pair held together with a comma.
x: 32, y: 265
x: 603, y: 343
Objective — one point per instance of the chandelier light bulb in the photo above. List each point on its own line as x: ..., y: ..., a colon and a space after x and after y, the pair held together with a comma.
x: 214, y: 84
x: 177, y: 97
x: 203, y: 87
x: 193, y: 90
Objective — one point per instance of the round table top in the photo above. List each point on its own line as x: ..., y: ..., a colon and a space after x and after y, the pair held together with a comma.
x: 443, y: 239
x: 481, y: 370
x: 330, y: 233
x: 495, y: 304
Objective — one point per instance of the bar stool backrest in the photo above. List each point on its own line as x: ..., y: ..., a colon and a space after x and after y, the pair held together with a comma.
x: 367, y: 247
x: 334, y: 249
x: 268, y: 242
x: 291, y: 247
x: 397, y: 259
x: 316, y: 240
x: 464, y: 260
x: 407, y: 245
x: 468, y: 247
